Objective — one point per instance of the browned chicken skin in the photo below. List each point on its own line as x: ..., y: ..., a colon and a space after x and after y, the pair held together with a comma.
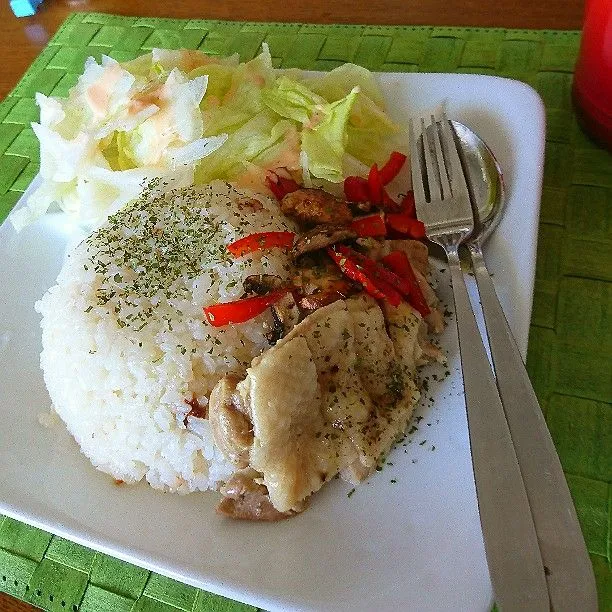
x: 316, y: 207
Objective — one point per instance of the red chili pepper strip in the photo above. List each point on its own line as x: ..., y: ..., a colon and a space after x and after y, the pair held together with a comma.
x: 375, y: 185
x: 281, y: 186
x: 400, y: 264
x: 275, y: 188
x: 392, y: 168
x: 392, y: 296
x: 352, y: 270
x: 288, y: 185
x: 388, y: 203
x: 407, y: 205
x: 259, y: 241
x: 405, y: 224
x: 371, y: 225
x: 356, y: 189
x: 219, y: 315
x: 375, y: 270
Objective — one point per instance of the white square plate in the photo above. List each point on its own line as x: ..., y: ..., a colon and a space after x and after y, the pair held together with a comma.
x: 415, y: 544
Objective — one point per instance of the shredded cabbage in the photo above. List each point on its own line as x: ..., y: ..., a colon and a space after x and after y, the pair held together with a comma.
x: 182, y: 116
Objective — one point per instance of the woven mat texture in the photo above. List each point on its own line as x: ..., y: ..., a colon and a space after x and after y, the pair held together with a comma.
x: 570, y: 352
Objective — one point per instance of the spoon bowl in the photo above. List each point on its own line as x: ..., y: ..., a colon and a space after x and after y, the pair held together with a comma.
x: 484, y: 180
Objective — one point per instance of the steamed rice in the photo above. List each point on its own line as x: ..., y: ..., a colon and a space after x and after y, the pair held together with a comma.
x: 125, y: 342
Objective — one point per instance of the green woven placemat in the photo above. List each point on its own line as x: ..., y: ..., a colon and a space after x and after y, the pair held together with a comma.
x: 571, y: 341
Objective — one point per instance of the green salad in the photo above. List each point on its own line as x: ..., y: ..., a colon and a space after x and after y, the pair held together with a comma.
x: 184, y: 117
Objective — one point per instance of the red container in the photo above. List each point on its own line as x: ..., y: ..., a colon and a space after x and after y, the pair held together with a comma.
x: 592, y: 89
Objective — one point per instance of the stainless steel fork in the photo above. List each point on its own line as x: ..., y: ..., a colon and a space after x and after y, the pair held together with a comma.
x: 511, y: 546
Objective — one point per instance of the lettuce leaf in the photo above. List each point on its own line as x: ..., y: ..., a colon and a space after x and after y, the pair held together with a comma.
x: 292, y: 100
x: 338, y: 83
x: 324, y: 144
x: 257, y: 135
x: 371, y: 133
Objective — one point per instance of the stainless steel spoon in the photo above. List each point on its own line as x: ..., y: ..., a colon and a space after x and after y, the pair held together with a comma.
x: 569, y: 573
x: 485, y: 182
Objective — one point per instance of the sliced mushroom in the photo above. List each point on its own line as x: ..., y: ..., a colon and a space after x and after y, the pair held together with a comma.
x: 358, y: 208
x: 262, y: 283
x: 285, y: 316
x: 320, y: 283
x: 315, y: 206
x: 245, y: 499
x: 333, y: 289
x: 231, y: 428
x: 318, y: 273
x: 320, y: 237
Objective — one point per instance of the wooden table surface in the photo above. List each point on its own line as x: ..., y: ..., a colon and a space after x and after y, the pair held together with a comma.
x: 22, y: 39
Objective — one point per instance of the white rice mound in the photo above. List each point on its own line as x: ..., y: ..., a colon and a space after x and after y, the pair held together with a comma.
x: 125, y: 341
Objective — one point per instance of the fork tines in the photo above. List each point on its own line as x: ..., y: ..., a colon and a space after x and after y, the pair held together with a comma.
x: 441, y: 194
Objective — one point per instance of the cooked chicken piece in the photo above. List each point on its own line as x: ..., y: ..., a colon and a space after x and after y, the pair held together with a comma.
x: 285, y: 316
x: 320, y: 237
x: 388, y: 380
x: 262, y: 283
x: 434, y: 320
x: 244, y: 498
x: 288, y: 423
x: 431, y: 352
x: 315, y: 206
x: 355, y: 472
x: 342, y: 402
x: 231, y: 428
x: 404, y: 323
x: 374, y: 347
x: 409, y: 334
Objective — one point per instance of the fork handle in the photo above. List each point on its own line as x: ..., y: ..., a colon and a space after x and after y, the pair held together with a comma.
x: 569, y: 574
x: 510, y: 540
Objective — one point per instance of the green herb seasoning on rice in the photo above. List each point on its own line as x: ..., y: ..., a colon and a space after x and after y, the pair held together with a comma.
x: 125, y: 342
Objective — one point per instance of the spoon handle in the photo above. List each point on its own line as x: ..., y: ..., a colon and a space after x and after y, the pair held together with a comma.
x: 570, y: 578
x: 510, y: 539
